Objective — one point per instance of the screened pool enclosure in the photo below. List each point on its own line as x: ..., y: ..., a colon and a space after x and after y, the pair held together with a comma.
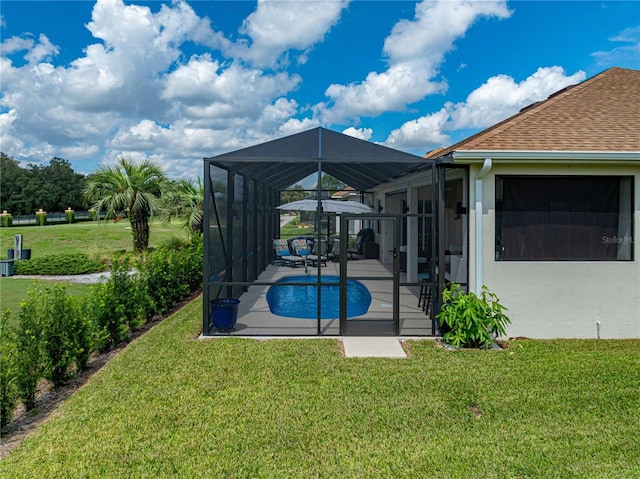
x: 242, y: 193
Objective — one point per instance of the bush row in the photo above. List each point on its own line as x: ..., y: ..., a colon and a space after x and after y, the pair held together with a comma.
x: 56, y: 333
x: 56, y: 264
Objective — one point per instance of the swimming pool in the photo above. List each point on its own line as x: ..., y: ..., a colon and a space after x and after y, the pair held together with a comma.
x: 302, y: 301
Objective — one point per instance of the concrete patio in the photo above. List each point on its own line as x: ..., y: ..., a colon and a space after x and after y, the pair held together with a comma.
x: 255, y: 318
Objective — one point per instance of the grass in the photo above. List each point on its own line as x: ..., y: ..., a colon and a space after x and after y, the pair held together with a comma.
x: 294, y: 231
x: 14, y: 290
x: 94, y: 238
x: 97, y: 239
x: 173, y: 406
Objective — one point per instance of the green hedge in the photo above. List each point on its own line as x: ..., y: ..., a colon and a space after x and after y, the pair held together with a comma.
x: 41, y: 218
x: 57, y: 333
x: 59, y: 264
x: 6, y: 220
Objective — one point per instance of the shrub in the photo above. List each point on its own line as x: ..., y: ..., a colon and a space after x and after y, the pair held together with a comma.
x: 41, y: 218
x: 171, y: 273
x: 29, y: 355
x: 71, y: 215
x: 6, y: 220
x: 109, y: 309
x: 85, y: 334
x: 130, y: 292
x: 56, y: 264
x: 56, y: 331
x: 471, y: 319
x: 193, y: 262
x: 119, y: 305
x: 109, y: 317
x: 155, y: 273
x: 173, y: 243
x: 8, y: 373
x: 59, y: 342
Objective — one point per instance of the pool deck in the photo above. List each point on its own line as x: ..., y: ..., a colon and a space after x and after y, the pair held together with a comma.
x: 255, y: 318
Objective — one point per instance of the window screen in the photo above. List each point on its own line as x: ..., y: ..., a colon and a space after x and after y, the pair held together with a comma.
x: 580, y: 218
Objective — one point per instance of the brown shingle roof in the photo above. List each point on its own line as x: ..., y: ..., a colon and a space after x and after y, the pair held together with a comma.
x: 599, y: 114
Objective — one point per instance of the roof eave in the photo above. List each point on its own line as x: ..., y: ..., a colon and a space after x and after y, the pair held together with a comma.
x: 530, y: 156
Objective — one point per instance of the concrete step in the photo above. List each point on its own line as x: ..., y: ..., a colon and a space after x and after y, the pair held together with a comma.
x: 372, y: 347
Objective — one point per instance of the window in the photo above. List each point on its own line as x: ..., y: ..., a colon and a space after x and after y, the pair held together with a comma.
x: 564, y: 218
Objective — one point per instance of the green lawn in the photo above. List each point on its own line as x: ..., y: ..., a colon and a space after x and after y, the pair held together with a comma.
x: 13, y: 290
x: 94, y: 238
x: 98, y: 239
x: 173, y: 406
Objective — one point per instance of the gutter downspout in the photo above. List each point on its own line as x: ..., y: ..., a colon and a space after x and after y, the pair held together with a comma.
x: 488, y: 163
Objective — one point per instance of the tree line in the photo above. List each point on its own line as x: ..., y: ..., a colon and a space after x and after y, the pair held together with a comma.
x: 142, y: 189
x: 53, y: 187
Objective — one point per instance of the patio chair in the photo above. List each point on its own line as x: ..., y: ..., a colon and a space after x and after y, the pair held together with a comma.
x: 318, y: 255
x: 335, y: 249
x: 355, y: 249
x: 424, y: 298
x: 283, y: 254
x: 365, y: 235
x: 301, y: 248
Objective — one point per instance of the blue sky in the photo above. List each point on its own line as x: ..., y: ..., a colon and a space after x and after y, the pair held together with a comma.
x: 176, y: 81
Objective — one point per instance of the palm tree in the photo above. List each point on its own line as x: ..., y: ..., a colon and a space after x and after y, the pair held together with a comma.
x: 184, y: 199
x: 128, y: 185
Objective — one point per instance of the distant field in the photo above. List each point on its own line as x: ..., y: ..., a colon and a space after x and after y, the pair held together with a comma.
x: 93, y: 238
x: 96, y: 239
x: 13, y: 290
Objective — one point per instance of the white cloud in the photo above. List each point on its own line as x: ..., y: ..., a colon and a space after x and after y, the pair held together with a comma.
x: 276, y: 114
x: 426, y: 130
x: 500, y: 97
x: 209, y: 92
x: 279, y: 26
x: 122, y: 73
x: 415, y: 49
x: 44, y: 50
x: 130, y: 93
x: 628, y: 35
x: 78, y: 152
x: 436, y: 26
x: 361, y: 133
x: 158, y: 82
x: 497, y: 99
x: 16, y: 44
x: 391, y: 90
x: 626, y: 56
x: 294, y: 125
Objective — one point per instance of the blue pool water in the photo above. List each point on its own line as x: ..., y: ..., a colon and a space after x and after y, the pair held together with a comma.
x: 302, y: 301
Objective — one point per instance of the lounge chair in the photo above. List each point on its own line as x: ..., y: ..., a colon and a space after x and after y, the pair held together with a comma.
x: 284, y: 255
x: 302, y: 250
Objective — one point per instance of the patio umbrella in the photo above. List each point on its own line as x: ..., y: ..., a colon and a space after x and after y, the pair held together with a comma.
x: 328, y: 206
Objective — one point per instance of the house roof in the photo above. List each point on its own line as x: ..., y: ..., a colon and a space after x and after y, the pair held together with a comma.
x: 285, y: 161
x: 599, y: 114
x: 344, y: 193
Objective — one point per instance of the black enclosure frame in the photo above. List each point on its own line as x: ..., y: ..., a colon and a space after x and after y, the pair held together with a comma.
x: 242, y: 191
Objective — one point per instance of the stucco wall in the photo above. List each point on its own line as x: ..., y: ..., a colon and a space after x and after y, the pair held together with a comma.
x: 560, y: 299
